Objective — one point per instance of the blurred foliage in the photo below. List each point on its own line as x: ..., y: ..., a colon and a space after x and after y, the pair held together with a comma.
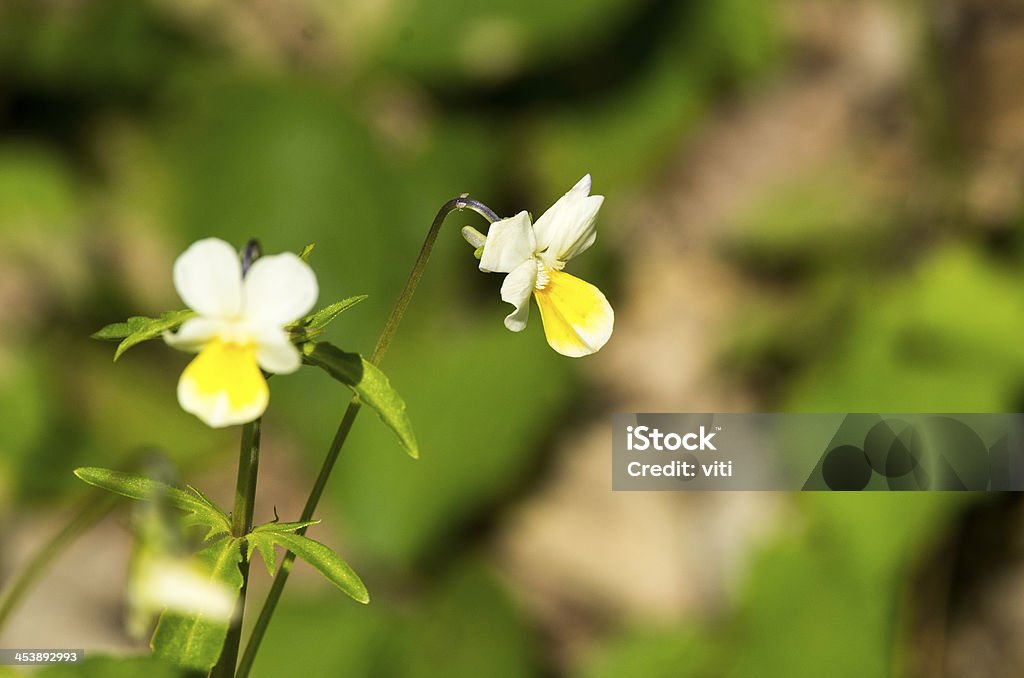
x: 828, y: 595
x: 466, y: 626
x: 105, y: 667
x: 129, y: 129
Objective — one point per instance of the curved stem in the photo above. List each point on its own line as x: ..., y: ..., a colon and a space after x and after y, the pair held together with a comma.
x: 463, y: 202
x: 241, y: 525
x: 455, y: 204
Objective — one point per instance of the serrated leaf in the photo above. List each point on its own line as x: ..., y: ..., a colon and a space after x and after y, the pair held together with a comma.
x: 283, y: 527
x: 264, y: 543
x: 368, y: 383
x: 195, y: 640
x: 325, y: 560
x: 200, y: 509
x: 315, y: 324
x: 262, y: 538
x: 139, y: 328
x: 306, y: 251
x: 194, y: 520
x: 203, y: 498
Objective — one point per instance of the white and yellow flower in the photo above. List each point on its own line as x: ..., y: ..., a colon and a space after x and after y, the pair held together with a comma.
x: 577, y: 317
x: 239, y: 329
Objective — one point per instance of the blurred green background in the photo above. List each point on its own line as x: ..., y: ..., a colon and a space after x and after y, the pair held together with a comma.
x: 811, y: 206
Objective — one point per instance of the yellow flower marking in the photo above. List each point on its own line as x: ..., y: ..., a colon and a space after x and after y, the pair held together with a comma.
x: 224, y: 383
x: 576, y: 316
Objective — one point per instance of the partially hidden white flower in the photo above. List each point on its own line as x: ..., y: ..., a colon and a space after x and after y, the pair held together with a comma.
x: 180, y: 585
x: 577, y: 317
x: 239, y: 328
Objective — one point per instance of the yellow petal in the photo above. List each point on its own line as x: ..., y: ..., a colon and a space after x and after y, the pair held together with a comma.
x: 577, y: 318
x: 223, y: 385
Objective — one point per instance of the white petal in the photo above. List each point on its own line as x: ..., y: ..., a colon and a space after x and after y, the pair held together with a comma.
x: 279, y: 289
x: 208, y: 277
x: 516, y: 290
x: 510, y: 242
x: 182, y: 586
x: 275, y: 352
x: 567, y: 228
x: 582, y: 186
x: 194, y: 333
x: 575, y: 194
x: 578, y: 232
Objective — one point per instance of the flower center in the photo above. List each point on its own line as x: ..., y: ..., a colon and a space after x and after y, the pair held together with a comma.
x: 543, y: 275
x: 544, y: 269
x: 236, y: 332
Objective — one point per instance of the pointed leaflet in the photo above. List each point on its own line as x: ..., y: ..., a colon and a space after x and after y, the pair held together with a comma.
x: 283, y: 527
x: 262, y: 539
x: 201, y: 509
x: 195, y: 640
x: 264, y: 543
x: 369, y: 384
x: 324, y: 559
x: 265, y: 537
x: 314, y: 324
x: 138, y: 329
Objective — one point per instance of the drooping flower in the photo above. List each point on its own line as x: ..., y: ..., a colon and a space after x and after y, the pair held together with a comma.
x: 239, y: 328
x: 577, y: 317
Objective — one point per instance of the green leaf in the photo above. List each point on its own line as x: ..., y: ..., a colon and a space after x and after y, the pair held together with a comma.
x: 99, y: 666
x: 139, y: 328
x: 206, y: 500
x: 195, y: 640
x: 283, y: 527
x: 316, y: 323
x: 324, y: 559
x: 264, y: 543
x: 202, y: 511
x: 371, y: 386
x: 262, y: 538
x: 196, y: 520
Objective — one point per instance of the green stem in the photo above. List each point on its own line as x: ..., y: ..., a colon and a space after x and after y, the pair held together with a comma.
x: 245, y: 485
x: 241, y: 525
x: 89, y: 512
x: 387, y: 334
x: 455, y: 204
